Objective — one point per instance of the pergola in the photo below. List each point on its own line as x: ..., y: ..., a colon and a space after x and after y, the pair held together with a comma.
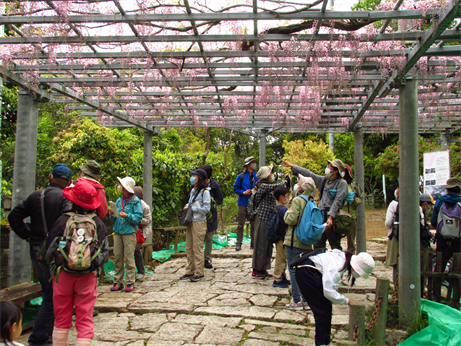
x: 255, y: 66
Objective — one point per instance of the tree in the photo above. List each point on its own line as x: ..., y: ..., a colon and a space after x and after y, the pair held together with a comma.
x: 308, y: 154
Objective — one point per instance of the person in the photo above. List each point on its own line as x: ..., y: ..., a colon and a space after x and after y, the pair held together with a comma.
x: 264, y: 206
x: 212, y: 226
x: 129, y: 216
x: 319, y: 274
x: 392, y: 243
x: 54, y: 204
x: 333, y: 190
x: 447, y: 246
x: 71, y: 287
x: 282, y: 195
x: 146, y: 224
x: 293, y: 246
x: 91, y: 171
x: 244, y: 183
x: 199, y: 201
x: 352, y: 201
x: 10, y: 323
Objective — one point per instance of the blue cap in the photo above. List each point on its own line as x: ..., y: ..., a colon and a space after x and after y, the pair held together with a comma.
x: 200, y: 172
x: 61, y: 171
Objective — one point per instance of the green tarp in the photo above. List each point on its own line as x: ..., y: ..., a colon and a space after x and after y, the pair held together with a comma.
x: 444, y: 326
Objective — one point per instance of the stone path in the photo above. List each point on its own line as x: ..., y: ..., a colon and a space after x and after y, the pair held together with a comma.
x: 228, y: 308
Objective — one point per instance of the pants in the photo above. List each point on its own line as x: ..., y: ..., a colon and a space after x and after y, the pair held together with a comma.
x: 262, y: 252
x: 333, y: 238
x: 77, y: 290
x: 292, y: 252
x: 208, y: 245
x: 280, y: 261
x: 447, y: 249
x: 351, y: 238
x: 139, y: 261
x: 242, y: 217
x: 124, y: 246
x: 310, y: 283
x: 43, y: 327
x: 195, y: 235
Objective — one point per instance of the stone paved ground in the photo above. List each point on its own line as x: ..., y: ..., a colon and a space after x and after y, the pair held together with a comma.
x: 228, y: 308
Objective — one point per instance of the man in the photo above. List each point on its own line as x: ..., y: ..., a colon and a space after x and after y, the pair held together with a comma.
x: 244, y: 183
x: 91, y: 171
x: 333, y: 189
x: 35, y: 233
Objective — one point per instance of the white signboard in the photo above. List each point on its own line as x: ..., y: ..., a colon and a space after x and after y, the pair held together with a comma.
x: 436, y: 172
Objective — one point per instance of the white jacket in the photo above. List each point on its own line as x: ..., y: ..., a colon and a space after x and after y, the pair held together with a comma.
x: 146, y: 219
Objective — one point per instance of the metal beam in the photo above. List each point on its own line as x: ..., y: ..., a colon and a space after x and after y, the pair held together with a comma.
x: 14, y: 79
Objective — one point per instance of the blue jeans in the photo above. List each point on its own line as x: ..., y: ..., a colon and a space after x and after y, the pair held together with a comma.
x: 43, y: 327
x: 292, y: 252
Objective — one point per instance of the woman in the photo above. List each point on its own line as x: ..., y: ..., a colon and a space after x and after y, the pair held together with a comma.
x: 393, y: 242
x: 200, y: 202
x: 146, y: 224
x: 318, y: 273
x: 264, y: 205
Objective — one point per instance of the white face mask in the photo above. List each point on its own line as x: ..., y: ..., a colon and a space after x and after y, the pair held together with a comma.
x: 396, y: 194
x: 119, y: 189
x: 327, y: 172
x: 286, y: 201
x: 253, y: 166
x: 272, y: 178
x: 296, y: 189
x: 343, y: 174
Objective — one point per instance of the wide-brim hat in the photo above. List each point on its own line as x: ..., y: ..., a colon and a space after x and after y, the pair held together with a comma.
x: 128, y: 183
x: 338, y: 164
x: 425, y: 197
x: 249, y: 160
x: 453, y: 182
x: 348, y: 170
x: 91, y: 168
x: 265, y: 171
x: 200, y: 172
x: 363, y: 264
x: 82, y: 194
x: 307, y: 184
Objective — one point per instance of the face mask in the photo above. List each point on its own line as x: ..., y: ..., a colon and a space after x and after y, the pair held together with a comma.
x: 253, y: 166
x: 343, y: 174
x: 355, y: 274
x: 396, y: 195
x: 286, y: 201
x: 119, y: 189
x: 192, y: 180
x: 296, y: 189
x: 327, y: 172
x: 272, y: 178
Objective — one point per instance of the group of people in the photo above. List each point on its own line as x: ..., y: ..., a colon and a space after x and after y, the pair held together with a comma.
x: 69, y: 245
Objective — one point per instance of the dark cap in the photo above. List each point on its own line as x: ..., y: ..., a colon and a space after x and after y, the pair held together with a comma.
x: 200, y: 172
x: 208, y: 170
x: 61, y: 171
x: 91, y: 168
x: 138, y: 192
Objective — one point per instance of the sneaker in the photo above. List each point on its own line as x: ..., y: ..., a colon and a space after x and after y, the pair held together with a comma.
x: 129, y: 288
x: 294, y: 306
x: 196, y: 278
x: 258, y: 275
x: 238, y: 247
x: 267, y: 275
x: 95, y: 313
x: 117, y: 287
x: 306, y: 306
x: 208, y: 265
x: 186, y: 276
x: 140, y: 277
x: 281, y: 284
x: 252, y: 246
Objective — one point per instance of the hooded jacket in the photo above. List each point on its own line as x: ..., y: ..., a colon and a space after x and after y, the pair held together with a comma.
x: 102, y: 209
x: 133, y: 209
x: 249, y: 181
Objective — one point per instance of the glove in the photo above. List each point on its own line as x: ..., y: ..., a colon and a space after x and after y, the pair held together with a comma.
x: 350, y: 197
x: 333, y: 193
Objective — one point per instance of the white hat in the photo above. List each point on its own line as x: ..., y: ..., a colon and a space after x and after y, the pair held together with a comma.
x: 265, y: 171
x: 128, y: 183
x: 307, y: 184
x: 363, y: 264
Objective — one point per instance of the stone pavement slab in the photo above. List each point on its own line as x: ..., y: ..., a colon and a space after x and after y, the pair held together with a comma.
x: 178, y: 332
x: 219, y: 336
x: 231, y: 322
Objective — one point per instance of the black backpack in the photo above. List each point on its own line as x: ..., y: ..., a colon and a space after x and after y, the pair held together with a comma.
x: 275, y: 229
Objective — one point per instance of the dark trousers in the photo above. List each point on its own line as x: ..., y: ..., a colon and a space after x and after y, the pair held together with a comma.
x: 139, y: 261
x: 333, y: 238
x: 242, y: 217
x: 447, y: 249
x: 43, y: 327
x: 262, y: 252
x: 310, y: 283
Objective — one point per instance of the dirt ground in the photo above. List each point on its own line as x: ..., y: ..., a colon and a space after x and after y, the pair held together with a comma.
x: 375, y: 223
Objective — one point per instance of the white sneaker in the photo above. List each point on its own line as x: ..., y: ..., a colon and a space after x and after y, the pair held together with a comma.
x: 139, y: 277
x: 306, y: 306
x: 294, y: 306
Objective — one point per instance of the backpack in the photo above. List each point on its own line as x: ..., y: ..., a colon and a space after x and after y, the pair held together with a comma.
x: 275, y: 228
x: 449, y: 221
x: 79, y: 244
x: 310, y: 227
x: 395, y: 224
x: 342, y: 223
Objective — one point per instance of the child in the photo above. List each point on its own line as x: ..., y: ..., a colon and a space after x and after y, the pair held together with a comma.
x: 282, y: 195
x: 77, y: 248
x: 130, y: 215
x: 10, y: 323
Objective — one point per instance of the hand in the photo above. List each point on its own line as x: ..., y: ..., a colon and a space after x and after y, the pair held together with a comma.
x: 286, y: 163
x: 111, y: 212
x: 247, y: 192
x: 352, y: 302
x: 8, y: 227
x: 186, y: 206
x: 123, y: 215
x: 329, y: 222
x: 287, y: 175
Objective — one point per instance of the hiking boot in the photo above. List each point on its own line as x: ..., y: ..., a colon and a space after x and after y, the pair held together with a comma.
x: 117, y: 287
x: 258, y: 275
x: 294, y: 306
x: 186, y: 276
x: 208, y: 265
x: 129, y: 288
x: 238, y: 247
x: 139, y: 277
x: 196, y: 278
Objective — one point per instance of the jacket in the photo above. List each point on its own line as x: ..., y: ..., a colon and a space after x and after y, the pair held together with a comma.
x: 201, y: 205
x: 264, y: 200
x: 56, y: 232
x: 292, y: 218
x: 146, y: 221
x: 102, y: 209
x: 328, y: 204
x: 55, y: 204
x: 133, y: 209
x: 216, y: 193
x: 246, y: 184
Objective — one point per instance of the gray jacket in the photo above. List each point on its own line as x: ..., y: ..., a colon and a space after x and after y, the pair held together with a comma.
x: 327, y: 203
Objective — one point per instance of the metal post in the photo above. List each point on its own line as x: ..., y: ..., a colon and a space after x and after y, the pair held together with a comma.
x: 360, y: 180
x: 331, y: 142
x: 444, y: 140
x: 25, y: 159
x: 262, y: 148
x: 147, y: 182
x: 409, y: 248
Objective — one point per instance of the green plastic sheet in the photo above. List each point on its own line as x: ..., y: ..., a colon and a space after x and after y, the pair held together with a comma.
x: 444, y: 326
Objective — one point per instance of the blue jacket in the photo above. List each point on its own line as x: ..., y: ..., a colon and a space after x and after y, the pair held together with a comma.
x: 133, y: 209
x: 246, y: 184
